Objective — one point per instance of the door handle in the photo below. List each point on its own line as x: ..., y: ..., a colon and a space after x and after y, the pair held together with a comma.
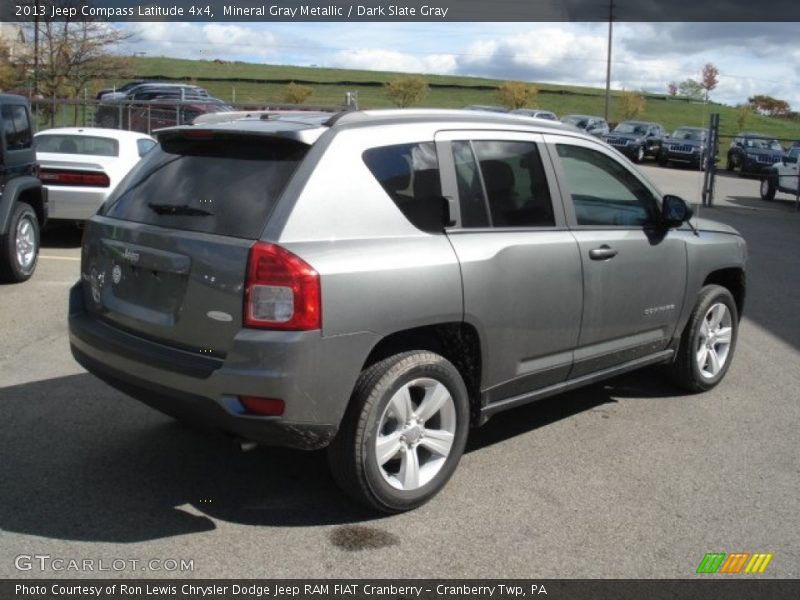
x: 602, y: 253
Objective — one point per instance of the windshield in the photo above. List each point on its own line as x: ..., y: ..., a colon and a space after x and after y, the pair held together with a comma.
x: 695, y: 135
x: 762, y: 144
x: 577, y: 121
x: 637, y: 128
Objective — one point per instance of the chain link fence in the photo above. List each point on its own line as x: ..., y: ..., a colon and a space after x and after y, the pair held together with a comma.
x: 143, y: 116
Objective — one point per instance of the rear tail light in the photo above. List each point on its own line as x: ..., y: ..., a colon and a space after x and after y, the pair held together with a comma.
x: 270, y: 407
x: 281, y: 291
x: 77, y: 178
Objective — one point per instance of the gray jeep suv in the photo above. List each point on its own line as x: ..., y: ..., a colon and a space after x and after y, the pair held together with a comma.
x: 377, y: 282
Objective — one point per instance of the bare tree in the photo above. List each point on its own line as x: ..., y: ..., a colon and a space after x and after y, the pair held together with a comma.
x: 710, y: 78
x: 672, y: 88
x: 7, y: 73
x: 73, y: 52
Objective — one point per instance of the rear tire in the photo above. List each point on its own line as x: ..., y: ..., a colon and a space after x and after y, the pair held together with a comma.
x: 19, y: 247
x: 767, y: 189
x: 404, y: 432
x: 708, y: 341
x: 731, y: 163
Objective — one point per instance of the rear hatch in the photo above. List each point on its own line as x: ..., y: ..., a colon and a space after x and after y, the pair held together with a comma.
x: 165, y: 258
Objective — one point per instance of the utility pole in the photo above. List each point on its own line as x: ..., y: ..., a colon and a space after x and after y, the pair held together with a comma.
x: 608, y: 59
x: 36, y: 50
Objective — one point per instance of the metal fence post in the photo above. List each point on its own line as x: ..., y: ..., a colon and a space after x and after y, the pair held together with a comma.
x: 709, y: 177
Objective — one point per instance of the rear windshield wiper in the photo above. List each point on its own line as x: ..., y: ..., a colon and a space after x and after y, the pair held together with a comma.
x: 178, y: 209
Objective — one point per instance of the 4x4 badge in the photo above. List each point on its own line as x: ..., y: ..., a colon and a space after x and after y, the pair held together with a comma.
x: 131, y: 255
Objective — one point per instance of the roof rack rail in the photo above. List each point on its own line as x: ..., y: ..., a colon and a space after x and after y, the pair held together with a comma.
x: 343, y: 113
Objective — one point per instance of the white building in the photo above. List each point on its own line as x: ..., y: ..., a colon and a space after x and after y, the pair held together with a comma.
x: 13, y: 36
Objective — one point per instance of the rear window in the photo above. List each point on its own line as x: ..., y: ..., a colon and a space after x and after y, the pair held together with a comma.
x: 16, y: 127
x: 224, y: 185
x: 77, y: 144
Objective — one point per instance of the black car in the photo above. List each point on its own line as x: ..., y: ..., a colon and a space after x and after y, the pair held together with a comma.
x: 753, y: 153
x: 637, y: 139
x: 112, y: 112
x: 121, y: 89
x: 596, y: 126
x: 686, y: 145
x: 23, y: 199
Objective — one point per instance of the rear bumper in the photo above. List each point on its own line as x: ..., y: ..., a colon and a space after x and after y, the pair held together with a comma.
x: 75, y: 203
x: 313, y: 375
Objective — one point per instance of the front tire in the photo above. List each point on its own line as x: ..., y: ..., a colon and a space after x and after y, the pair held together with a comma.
x: 708, y: 341
x: 639, y: 154
x: 19, y: 247
x: 404, y: 432
x: 767, y: 189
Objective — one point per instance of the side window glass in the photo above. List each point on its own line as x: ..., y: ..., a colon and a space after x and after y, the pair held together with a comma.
x: 515, y: 183
x: 409, y: 173
x: 470, y: 191
x: 16, y: 127
x: 603, y: 191
x: 144, y: 146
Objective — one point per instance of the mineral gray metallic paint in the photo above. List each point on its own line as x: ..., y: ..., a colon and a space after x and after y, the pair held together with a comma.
x: 548, y: 316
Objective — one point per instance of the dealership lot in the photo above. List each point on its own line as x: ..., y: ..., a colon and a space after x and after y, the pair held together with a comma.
x: 629, y: 478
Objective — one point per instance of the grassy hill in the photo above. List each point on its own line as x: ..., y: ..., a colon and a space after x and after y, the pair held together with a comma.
x: 261, y: 84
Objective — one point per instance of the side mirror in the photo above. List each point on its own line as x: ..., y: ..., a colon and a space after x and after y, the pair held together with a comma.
x: 675, y: 211
x: 789, y: 159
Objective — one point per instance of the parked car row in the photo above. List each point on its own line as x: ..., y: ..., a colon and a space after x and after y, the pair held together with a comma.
x: 749, y: 153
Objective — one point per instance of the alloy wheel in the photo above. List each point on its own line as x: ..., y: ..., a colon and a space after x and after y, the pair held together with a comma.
x: 25, y: 243
x: 714, y: 340
x: 415, y: 434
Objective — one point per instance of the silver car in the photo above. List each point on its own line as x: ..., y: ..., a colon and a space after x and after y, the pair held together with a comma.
x: 377, y: 282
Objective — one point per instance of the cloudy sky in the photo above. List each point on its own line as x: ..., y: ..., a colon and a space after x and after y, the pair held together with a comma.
x: 753, y: 58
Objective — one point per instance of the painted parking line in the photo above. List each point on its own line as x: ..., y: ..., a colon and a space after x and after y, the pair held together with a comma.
x: 76, y: 258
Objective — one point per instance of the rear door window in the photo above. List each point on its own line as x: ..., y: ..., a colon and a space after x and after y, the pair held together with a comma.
x: 409, y: 174
x: 502, y: 184
x: 226, y: 185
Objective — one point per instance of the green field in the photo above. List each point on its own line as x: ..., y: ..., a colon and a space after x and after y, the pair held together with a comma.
x: 249, y: 83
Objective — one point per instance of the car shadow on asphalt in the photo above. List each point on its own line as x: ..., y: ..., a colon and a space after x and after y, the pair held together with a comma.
x: 83, y: 462
x: 61, y: 235
x: 781, y: 203
x: 648, y: 384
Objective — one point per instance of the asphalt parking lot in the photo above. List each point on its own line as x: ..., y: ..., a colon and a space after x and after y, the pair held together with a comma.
x: 628, y: 478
